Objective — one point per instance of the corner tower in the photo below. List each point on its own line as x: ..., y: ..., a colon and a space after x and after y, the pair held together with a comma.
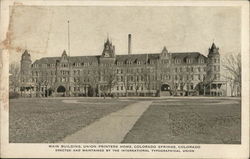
x: 25, y: 67
x: 213, y: 65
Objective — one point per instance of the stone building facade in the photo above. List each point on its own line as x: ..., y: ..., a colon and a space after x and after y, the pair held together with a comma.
x: 108, y: 74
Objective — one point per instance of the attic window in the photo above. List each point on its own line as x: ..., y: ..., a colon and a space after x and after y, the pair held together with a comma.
x: 119, y: 63
x: 177, y: 61
x: 189, y: 60
x: 129, y: 62
x: 201, y: 60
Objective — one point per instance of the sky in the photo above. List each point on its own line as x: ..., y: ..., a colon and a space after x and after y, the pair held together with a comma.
x: 43, y: 31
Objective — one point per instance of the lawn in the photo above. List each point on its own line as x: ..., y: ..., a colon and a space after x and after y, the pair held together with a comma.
x: 189, y: 121
x: 50, y: 120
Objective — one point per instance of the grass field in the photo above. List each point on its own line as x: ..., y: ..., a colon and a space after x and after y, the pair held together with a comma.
x: 167, y: 120
x: 189, y: 121
x: 50, y: 120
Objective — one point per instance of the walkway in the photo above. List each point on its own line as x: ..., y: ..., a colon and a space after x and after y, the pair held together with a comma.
x: 111, y: 128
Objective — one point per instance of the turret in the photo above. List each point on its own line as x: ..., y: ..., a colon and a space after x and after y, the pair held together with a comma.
x: 164, y: 53
x: 25, y: 67
x: 109, y: 49
x: 213, y: 69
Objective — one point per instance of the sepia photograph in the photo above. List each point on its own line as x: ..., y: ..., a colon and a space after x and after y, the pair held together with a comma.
x: 127, y: 74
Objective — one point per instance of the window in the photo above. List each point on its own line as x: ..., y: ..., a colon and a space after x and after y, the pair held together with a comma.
x: 121, y: 87
x: 176, y: 77
x: 177, y: 61
x: 180, y: 69
x: 176, y: 85
x: 189, y: 60
x: 117, y: 87
x: 191, y: 86
x: 192, y: 69
x: 201, y: 60
x: 180, y: 77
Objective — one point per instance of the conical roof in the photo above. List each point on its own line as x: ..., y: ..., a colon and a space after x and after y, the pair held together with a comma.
x: 64, y: 53
x: 213, y: 46
x: 25, y: 53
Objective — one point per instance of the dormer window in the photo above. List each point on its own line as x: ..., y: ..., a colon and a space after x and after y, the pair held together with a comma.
x: 119, y: 63
x: 177, y: 61
x: 201, y: 60
x: 77, y: 64
x: 189, y: 60
x: 128, y: 62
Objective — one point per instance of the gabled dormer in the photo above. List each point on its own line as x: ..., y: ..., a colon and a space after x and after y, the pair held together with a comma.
x: 109, y: 49
x: 164, y: 53
x: 64, y: 57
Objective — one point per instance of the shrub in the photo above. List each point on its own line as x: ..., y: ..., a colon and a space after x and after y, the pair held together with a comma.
x: 13, y: 95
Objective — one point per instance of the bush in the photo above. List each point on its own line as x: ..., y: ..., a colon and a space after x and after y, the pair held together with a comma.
x: 13, y: 95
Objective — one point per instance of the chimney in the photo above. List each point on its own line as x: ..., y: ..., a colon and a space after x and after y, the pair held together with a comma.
x: 129, y: 43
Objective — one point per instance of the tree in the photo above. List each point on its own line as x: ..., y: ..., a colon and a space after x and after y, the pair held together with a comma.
x: 146, y: 77
x: 232, y: 66
x: 14, y: 71
x: 110, y: 78
x: 82, y: 81
x: 137, y: 81
x: 94, y: 80
x: 125, y: 80
x: 206, y: 81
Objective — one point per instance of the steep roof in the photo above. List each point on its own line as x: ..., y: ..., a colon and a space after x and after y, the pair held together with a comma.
x: 139, y: 57
x: 122, y: 58
x: 49, y: 60
x: 79, y: 59
x: 187, y: 54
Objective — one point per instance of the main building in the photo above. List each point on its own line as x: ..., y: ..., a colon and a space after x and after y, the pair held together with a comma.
x: 108, y: 74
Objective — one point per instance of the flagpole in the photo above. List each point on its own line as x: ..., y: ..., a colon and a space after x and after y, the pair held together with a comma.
x: 68, y: 39
x: 69, y: 59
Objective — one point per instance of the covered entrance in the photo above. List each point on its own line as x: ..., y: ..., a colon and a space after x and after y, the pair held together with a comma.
x: 61, y: 90
x: 165, y: 90
x: 165, y: 87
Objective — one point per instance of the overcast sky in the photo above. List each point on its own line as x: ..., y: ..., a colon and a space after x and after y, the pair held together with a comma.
x: 43, y: 30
